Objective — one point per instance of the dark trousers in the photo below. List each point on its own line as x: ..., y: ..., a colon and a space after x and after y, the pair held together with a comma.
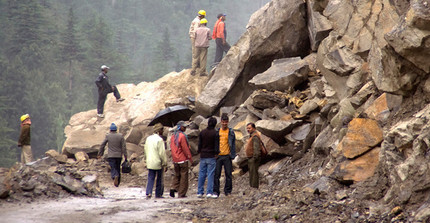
x: 228, y: 169
x: 180, y: 179
x: 102, y: 98
x: 115, y: 167
x: 220, y: 49
x: 152, y: 174
x: 253, y: 164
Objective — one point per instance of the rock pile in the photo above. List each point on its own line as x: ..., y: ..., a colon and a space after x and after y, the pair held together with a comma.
x: 49, y: 178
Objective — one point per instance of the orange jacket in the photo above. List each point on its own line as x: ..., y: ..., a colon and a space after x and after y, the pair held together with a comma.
x: 219, y: 30
x: 180, y: 149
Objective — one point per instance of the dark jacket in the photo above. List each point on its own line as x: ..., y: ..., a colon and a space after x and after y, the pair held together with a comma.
x: 207, y: 142
x: 24, y: 136
x: 102, y: 83
x: 117, y: 146
x: 231, y: 142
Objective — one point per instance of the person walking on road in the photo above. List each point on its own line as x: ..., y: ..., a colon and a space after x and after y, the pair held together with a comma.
x: 24, y: 139
x: 202, y: 37
x: 156, y: 161
x: 220, y: 35
x: 181, y: 156
x: 193, y: 27
x: 208, y: 152
x: 253, y: 152
x: 226, y: 144
x: 116, y: 149
x: 104, y: 88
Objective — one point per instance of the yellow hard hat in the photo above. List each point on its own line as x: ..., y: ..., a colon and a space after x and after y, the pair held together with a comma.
x: 202, y: 12
x: 24, y: 117
x: 203, y: 21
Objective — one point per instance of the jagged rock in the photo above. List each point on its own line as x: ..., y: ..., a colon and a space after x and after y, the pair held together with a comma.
x: 342, y: 61
x: 362, y: 95
x: 69, y: 184
x: 227, y: 110
x: 362, y: 135
x: 275, y: 129
x: 323, y: 143
x: 315, y: 129
x: 359, y: 169
x: 341, y: 194
x: 264, y: 40
x: 136, y: 133
x: 299, y: 133
x: 81, y: 156
x: 61, y: 158
x: 139, y: 168
x: 411, y: 37
x: 272, y: 167
x: 382, y: 107
x: 177, y: 101
x: 255, y: 111
x: 267, y: 99
x: 319, y: 27
x: 133, y: 149
x: 283, y: 74
x: 345, y: 110
x: 323, y: 184
x: 317, y: 88
x: 83, y: 140
x: 309, y: 106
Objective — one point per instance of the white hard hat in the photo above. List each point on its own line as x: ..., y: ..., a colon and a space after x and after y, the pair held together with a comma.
x: 104, y: 67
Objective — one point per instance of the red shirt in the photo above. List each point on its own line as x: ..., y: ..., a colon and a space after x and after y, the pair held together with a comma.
x: 180, y: 152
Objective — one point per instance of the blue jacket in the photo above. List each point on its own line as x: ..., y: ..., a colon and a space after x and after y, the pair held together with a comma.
x: 231, y: 142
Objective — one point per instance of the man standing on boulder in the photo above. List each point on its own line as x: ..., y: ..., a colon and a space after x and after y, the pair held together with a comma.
x: 208, y: 152
x: 24, y: 139
x: 156, y: 161
x: 220, y: 36
x: 104, y: 88
x: 116, y: 149
x: 201, y: 48
x: 226, y: 144
x: 193, y: 27
x: 181, y: 156
x: 253, y: 152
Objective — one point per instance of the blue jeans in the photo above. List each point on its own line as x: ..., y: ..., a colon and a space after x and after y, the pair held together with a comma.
x: 207, y: 169
x: 150, y: 184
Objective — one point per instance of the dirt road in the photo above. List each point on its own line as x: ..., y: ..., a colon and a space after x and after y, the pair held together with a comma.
x: 123, y: 204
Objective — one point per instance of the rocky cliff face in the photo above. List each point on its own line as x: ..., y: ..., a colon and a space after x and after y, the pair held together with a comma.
x: 339, y: 91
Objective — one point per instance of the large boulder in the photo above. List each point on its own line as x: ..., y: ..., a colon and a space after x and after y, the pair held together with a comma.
x: 362, y: 135
x: 411, y: 37
x: 277, y: 30
x: 319, y: 26
x: 276, y: 129
x: 282, y: 75
x: 359, y: 169
x: 86, y: 131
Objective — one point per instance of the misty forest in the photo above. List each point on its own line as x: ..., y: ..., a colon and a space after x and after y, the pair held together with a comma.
x: 51, y: 52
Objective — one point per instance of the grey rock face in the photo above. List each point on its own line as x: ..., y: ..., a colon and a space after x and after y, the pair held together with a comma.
x: 282, y: 75
x: 277, y: 30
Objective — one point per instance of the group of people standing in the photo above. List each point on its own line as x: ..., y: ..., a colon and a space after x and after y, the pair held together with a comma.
x: 217, y: 150
x: 200, y: 36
